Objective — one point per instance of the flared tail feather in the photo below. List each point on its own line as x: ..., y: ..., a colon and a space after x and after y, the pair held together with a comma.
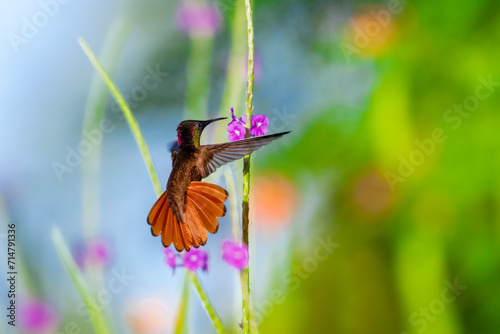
x: 204, y: 205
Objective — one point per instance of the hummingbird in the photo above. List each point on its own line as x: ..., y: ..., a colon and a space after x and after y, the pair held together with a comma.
x: 189, y: 208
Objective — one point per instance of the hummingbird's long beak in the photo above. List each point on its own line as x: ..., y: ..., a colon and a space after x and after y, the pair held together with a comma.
x: 203, y: 124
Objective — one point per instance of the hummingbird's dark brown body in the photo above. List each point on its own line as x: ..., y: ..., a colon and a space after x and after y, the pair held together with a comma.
x: 189, y: 208
x: 184, y: 171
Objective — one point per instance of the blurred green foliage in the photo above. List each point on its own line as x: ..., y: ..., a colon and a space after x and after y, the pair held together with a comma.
x: 441, y: 223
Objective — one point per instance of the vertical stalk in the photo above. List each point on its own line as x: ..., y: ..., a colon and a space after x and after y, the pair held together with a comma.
x: 89, y: 301
x: 180, y: 323
x: 198, y: 76
x: 245, y: 274
x: 206, y: 302
x: 129, y: 117
x: 234, y: 86
x: 95, y: 108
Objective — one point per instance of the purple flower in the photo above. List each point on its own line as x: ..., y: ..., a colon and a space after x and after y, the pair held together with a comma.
x: 99, y: 251
x: 36, y: 316
x: 259, y: 125
x: 198, y: 18
x: 236, y: 128
x: 235, y: 255
x: 241, y: 120
x: 236, y: 131
x: 170, y: 258
x: 195, y: 259
x: 96, y: 252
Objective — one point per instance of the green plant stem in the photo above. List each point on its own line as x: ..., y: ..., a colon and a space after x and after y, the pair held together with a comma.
x: 180, y: 323
x: 134, y: 127
x: 95, y: 108
x: 234, y: 86
x: 147, y: 160
x: 198, y: 75
x: 98, y: 321
x: 245, y: 274
x: 208, y: 306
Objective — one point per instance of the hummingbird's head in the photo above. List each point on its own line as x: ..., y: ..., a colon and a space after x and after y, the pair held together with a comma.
x: 189, y: 132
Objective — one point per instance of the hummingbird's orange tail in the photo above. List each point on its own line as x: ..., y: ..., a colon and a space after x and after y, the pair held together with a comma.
x: 205, y: 203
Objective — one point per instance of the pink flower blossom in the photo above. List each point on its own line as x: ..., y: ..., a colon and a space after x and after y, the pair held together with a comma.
x: 235, y: 255
x: 96, y: 252
x: 259, y: 125
x: 236, y: 131
x: 236, y: 128
x: 241, y: 120
x: 170, y: 258
x: 36, y: 316
x: 198, y: 18
x: 195, y: 259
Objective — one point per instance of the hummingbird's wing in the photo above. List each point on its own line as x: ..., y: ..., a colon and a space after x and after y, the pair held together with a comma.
x: 211, y: 157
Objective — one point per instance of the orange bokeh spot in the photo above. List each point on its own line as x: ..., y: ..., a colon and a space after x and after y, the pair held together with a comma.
x: 371, y: 32
x: 273, y: 202
x: 149, y: 316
